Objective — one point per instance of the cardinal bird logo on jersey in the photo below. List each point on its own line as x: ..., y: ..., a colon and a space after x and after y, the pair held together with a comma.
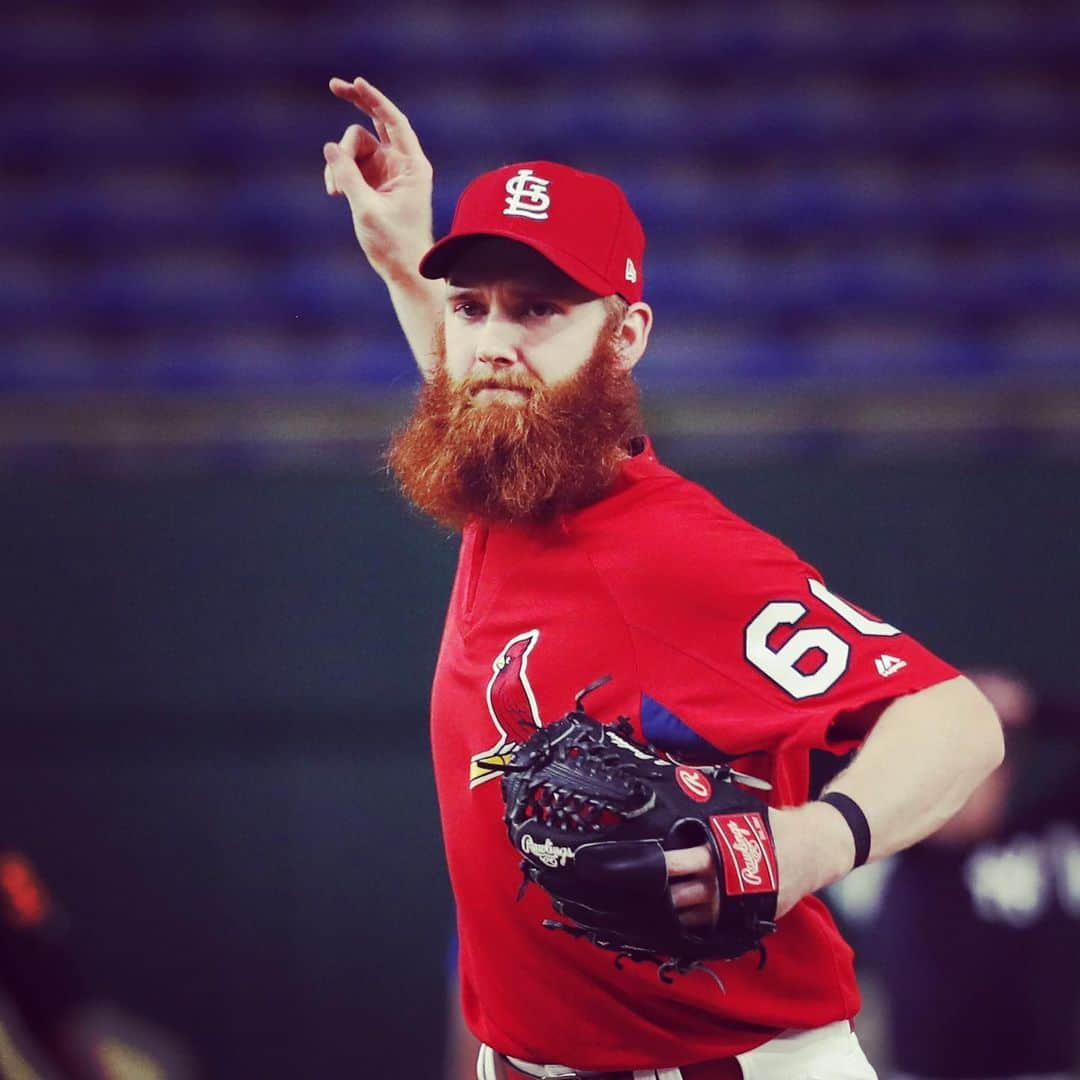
x: 511, y: 706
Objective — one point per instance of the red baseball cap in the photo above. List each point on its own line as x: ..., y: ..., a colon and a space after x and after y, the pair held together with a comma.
x: 579, y: 221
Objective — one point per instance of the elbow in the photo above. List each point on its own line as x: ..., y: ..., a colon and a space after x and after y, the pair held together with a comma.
x: 986, y: 741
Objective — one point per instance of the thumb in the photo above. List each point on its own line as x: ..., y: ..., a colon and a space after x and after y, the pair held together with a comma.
x: 345, y: 175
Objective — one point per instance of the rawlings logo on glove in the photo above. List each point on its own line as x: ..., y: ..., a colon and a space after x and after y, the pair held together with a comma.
x: 593, y: 811
x: 548, y: 853
x: 750, y: 865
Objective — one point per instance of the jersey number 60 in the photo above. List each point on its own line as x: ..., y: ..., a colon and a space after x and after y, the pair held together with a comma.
x: 780, y: 664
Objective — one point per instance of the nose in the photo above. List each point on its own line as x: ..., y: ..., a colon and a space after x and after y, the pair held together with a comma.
x: 497, y: 345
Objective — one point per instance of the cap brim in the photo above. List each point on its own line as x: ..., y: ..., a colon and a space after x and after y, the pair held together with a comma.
x: 439, y: 261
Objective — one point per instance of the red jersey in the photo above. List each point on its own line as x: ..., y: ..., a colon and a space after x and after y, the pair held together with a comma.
x: 720, y: 641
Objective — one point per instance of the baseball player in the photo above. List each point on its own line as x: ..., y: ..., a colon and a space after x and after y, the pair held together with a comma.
x: 583, y: 556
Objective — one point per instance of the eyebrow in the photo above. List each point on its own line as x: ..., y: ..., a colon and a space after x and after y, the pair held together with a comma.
x: 553, y: 293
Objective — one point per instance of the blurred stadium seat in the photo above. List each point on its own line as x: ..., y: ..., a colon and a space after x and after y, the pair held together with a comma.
x: 835, y: 192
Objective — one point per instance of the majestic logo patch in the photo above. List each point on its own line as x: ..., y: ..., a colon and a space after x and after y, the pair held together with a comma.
x: 746, y: 851
x: 511, y: 706
x: 888, y: 665
x: 694, y: 783
x: 526, y: 196
x: 631, y: 271
x: 548, y: 853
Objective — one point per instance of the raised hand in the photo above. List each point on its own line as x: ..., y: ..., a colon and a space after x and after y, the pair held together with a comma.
x: 387, y: 180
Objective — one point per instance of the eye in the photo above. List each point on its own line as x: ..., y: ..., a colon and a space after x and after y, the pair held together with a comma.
x: 541, y: 309
x: 468, y: 309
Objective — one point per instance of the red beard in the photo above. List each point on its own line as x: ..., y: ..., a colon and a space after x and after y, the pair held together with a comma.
x: 559, y: 450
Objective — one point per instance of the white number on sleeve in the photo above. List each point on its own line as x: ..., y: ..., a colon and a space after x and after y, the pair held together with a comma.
x: 865, y: 625
x: 780, y: 664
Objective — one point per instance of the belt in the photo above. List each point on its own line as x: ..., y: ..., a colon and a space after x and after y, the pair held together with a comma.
x: 720, y: 1069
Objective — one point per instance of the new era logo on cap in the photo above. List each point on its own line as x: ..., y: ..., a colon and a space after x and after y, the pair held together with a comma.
x: 579, y: 221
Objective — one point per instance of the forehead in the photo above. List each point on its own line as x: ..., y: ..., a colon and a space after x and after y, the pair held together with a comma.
x: 494, y: 261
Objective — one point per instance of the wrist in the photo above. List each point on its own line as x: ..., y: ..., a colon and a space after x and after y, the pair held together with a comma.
x: 404, y: 272
x: 829, y: 837
x: 855, y: 819
x: 814, y: 848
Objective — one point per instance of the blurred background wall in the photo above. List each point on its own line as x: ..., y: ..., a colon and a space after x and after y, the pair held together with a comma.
x: 864, y: 257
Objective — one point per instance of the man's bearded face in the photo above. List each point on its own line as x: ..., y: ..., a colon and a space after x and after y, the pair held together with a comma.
x: 505, y: 447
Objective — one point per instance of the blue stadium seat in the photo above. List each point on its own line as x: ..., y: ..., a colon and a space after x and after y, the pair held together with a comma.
x: 839, y: 192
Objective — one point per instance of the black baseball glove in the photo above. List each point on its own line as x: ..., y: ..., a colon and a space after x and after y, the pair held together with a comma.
x: 592, y: 812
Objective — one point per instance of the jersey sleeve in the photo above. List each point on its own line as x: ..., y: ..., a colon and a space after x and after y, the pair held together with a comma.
x: 745, y: 643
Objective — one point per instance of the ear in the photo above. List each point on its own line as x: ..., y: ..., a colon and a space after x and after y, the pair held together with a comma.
x: 633, y: 335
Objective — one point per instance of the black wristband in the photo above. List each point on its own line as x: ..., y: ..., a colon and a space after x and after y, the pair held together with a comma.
x: 856, y: 820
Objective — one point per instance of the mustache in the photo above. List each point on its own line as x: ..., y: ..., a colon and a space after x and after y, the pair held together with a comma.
x: 510, y: 382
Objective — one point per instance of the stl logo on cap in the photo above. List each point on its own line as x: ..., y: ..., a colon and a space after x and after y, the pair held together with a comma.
x: 526, y: 196
x: 580, y: 222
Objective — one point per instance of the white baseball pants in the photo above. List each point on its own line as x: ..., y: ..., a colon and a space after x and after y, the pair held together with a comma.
x: 831, y: 1052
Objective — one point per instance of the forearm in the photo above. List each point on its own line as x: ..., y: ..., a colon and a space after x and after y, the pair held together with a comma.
x: 924, y: 757
x: 418, y: 304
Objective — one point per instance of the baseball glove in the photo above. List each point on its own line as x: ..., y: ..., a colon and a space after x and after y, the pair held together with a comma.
x: 592, y: 812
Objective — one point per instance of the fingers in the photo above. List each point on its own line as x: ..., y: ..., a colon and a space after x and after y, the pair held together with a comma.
x: 690, y: 893
x: 349, y: 91
x: 704, y: 916
x: 358, y: 142
x: 695, y: 891
x: 695, y: 860
x: 342, y: 175
x: 391, y: 124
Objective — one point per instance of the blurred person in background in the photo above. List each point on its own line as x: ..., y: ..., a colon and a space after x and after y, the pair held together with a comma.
x: 978, y: 933
x: 975, y: 933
